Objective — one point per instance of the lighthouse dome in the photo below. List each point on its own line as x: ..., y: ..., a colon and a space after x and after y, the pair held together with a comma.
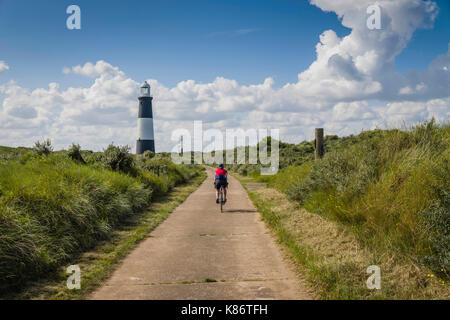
x: 145, y: 90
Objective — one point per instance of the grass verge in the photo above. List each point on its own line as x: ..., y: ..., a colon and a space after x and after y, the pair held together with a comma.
x: 333, y: 261
x: 98, y: 264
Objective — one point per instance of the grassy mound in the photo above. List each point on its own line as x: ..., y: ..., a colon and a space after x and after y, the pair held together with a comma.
x: 390, y: 187
x: 53, y: 208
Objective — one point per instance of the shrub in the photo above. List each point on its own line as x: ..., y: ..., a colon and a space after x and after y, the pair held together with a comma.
x: 347, y: 172
x: 74, y: 153
x: 290, y: 178
x: 43, y: 148
x: 148, y: 154
x: 118, y: 158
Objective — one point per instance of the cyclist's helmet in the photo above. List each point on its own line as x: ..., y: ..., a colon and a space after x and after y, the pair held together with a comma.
x: 221, y: 166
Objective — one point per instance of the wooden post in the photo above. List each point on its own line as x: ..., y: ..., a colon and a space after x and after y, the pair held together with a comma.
x: 181, y: 144
x: 319, y: 144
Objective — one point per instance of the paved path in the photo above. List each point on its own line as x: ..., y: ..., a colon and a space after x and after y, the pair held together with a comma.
x: 196, y: 243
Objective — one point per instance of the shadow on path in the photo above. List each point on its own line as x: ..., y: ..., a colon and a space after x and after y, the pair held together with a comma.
x: 239, y: 211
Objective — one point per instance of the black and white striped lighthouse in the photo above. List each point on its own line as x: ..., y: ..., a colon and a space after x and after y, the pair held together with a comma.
x: 146, y: 140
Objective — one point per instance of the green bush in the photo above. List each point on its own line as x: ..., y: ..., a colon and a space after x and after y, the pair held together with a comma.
x: 289, y: 178
x: 74, y: 153
x: 118, y: 158
x: 43, y: 148
x: 148, y: 154
x: 345, y: 173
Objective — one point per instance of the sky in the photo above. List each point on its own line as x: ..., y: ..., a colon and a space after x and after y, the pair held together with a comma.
x: 288, y: 64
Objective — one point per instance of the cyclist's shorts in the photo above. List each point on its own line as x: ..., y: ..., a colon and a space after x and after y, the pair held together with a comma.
x: 220, y: 183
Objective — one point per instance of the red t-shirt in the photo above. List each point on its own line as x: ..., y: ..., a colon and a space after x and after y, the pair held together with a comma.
x: 221, y: 172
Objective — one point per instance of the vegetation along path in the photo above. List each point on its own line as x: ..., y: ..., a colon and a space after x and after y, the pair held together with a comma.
x: 200, y: 253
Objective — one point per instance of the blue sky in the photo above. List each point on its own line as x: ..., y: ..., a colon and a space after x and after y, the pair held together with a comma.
x: 229, y: 63
x: 174, y: 40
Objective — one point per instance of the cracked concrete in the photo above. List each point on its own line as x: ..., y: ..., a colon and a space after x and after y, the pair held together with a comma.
x: 197, y: 242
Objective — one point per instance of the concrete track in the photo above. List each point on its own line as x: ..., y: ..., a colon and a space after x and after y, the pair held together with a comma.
x: 198, y: 244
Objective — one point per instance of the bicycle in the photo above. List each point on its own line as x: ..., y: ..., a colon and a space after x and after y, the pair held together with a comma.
x: 221, y: 198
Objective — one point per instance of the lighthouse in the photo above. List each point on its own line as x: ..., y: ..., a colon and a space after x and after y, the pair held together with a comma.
x: 146, y: 140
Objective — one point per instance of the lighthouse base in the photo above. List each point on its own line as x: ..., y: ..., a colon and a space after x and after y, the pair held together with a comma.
x: 144, y: 145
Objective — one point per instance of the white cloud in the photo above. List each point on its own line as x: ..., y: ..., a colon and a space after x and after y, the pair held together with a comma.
x: 107, y: 111
x: 101, y: 68
x: 104, y: 112
x: 3, y: 66
x: 412, y: 112
x: 405, y: 91
x: 352, y: 111
x: 336, y: 92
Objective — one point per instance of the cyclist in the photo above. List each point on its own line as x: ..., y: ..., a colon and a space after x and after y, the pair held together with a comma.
x: 221, y: 179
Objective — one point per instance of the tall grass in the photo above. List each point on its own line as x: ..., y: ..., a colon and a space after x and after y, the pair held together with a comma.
x: 391, y: 187
x: 53, y: 208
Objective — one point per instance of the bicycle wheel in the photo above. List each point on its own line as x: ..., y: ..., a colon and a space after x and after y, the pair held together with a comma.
x: 221, y: 199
